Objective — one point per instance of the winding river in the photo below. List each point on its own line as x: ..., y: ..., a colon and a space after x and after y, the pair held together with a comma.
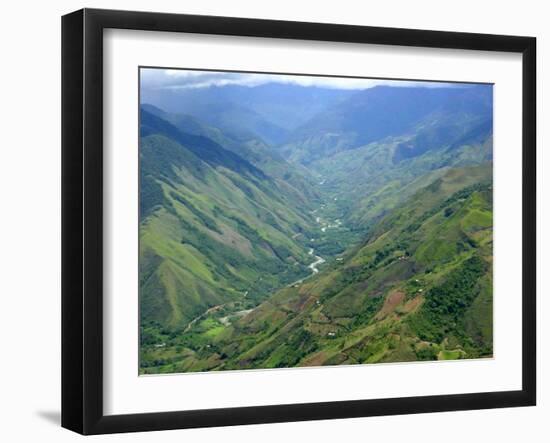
x: 318, y: 260
x: 225, y: 320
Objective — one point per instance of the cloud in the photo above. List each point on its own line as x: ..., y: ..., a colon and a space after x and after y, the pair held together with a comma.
x: 174, y: 79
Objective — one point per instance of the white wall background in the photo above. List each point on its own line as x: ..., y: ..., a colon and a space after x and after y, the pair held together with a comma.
x: 30, y: 219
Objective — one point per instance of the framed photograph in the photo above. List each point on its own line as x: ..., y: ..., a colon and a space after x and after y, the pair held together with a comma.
x: 269, y: 221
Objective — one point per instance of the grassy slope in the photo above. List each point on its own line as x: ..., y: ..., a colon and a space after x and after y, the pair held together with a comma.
x: 209, y: 234
x: 382, y: 182
x: 382, y: 302
x: 293, y: 179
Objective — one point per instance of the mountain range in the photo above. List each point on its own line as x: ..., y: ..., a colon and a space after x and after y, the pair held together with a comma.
x: 284, y: 225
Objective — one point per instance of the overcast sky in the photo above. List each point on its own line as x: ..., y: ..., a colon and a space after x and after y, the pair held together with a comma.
x: 155, y: 78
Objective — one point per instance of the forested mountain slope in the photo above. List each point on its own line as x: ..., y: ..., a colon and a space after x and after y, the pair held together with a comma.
x: 429, y: 117
x: 284, y: 225
x: 213, y: 226
x: 419, y: 287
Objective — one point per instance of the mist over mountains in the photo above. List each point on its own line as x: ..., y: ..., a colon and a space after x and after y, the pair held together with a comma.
x: 292, y: 225
x: 270, y: 111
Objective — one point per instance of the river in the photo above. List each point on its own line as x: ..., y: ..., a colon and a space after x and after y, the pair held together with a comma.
x: 225, y: 320
x: 318, y: 260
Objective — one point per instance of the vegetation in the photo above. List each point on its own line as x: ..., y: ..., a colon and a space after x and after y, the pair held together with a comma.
x: 273, y: 245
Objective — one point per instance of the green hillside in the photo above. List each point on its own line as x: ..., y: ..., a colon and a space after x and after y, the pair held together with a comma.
x: 303, y: 221
x: 435, y: 117
x: 213, y: 228
x: 417, y: 288
x: 293, y: 177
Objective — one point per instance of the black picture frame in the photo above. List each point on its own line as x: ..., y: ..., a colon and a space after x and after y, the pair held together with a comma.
x: 82, y: 218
